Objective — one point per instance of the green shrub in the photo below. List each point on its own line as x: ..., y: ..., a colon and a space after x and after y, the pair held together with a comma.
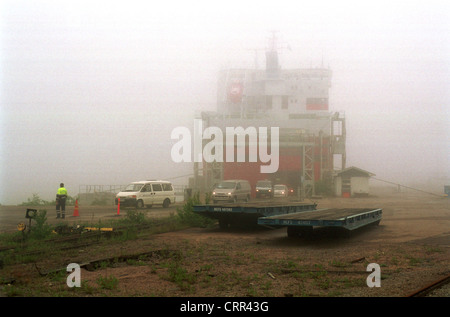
x: 40, y: 229
x: 186, y: 214
x: 135, y: 216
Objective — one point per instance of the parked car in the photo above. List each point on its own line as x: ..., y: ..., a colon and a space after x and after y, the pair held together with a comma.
x: 264, y: 188
x: 280, y: 190
x: 232, y: 190
x: 146, y: 193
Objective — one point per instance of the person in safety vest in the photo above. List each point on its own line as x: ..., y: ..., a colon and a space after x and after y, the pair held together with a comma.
x: 61, y: 196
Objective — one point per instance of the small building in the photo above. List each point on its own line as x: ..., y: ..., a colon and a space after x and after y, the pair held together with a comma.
x: 447, y: 190
x: 352, y: 181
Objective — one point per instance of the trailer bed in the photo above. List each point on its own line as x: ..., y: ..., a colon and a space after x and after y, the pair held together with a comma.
x: 250, y: 212
x: 347, y: 218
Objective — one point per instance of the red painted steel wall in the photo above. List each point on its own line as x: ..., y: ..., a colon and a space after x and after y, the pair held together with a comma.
x: 290, y: 162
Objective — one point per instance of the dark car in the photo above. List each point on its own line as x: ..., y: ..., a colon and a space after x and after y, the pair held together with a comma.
x: 264, y: 189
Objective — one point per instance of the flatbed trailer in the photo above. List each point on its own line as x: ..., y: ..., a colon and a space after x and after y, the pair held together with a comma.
x: 248, y: 213
x: 302, y: 224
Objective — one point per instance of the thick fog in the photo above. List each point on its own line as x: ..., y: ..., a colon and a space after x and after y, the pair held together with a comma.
x: 91, y: 90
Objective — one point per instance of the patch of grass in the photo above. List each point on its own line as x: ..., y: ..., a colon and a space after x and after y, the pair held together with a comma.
x: 58, y: 276
x: 291, y: 264
x: 180, y: 276
x: 433, y: 249
x: 323, y: 282
x: 108, y: 282
x: 412, y: 261
x: 317, y: 274
x: 395, y: 260
x: 347, y: 282
x: 337, y: 263
x: 206, y: 268
x: 87, y: 289
x: 13, y: 291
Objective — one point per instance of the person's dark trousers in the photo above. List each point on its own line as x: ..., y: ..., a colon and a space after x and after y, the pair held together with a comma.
x: 61, y: 208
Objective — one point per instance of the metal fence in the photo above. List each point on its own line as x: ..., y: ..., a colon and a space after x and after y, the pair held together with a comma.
x: 89, y: 189
x: 105, y: 194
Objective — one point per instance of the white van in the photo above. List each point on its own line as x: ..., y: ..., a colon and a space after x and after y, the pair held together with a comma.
x: 147, y: 193
x: 232, y: 190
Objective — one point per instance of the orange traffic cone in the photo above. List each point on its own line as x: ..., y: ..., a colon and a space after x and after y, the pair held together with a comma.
x: 75, y: 211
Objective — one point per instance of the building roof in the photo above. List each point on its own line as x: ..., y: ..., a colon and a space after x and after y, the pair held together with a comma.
x: 354, y: 171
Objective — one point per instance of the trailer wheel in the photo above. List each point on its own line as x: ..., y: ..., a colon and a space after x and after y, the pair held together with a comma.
x: 293, y: 232
x: 306, y: 232
x: 223, y: 223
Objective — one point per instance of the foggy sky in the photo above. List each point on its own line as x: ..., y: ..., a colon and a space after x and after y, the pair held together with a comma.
x: 91, y: 90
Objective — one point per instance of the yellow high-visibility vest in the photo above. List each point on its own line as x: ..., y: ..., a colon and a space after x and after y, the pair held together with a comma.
x: 62, y: 191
